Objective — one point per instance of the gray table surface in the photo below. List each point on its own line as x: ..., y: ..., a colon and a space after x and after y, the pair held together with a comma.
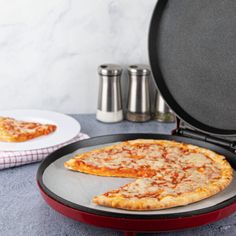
x: 24, y: 212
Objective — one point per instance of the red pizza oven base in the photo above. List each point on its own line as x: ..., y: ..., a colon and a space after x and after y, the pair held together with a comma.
x: 130, y: 226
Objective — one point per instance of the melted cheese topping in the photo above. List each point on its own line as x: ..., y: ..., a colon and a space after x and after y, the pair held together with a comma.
x: 176, y: 169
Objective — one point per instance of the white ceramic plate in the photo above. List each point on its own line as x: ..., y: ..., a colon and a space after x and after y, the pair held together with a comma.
x: 67, y: 128
x: 79, y: 188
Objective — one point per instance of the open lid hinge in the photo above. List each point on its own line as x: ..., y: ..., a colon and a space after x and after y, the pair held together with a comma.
x: 205, y: 137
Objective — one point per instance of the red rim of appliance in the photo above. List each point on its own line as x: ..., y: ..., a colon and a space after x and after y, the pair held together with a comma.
x: 127, y: 222
x: 138, y: 225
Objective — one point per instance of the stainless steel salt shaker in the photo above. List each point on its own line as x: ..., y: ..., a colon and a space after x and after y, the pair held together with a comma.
x: 162, y: 111
x: 138, y: 107
x: 109, y: 107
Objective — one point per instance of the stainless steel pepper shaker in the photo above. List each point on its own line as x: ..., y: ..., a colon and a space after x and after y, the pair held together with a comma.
x: 109, y: 109
x: 138, y: 107
x: 162, y: 111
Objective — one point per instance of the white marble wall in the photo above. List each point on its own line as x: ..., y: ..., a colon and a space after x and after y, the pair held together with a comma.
x: 50, y: 49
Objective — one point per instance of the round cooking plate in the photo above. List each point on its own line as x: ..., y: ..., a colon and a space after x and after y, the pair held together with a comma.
x: 193, y: 56
x: 71, y: 192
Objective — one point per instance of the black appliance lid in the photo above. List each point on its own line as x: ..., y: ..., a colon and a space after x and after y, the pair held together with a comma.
x: 192, y: 51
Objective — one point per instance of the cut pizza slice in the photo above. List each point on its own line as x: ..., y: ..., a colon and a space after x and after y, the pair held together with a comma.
x: 118, y: 160
x: 12, y: 130
x: 122, y: 167
x: 158, y: 193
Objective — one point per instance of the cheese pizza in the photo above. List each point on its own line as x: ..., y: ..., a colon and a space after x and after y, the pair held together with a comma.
x: 168, y: 173
x: 12, y: 130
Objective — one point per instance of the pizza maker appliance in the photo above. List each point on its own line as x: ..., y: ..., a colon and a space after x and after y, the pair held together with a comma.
x: 192, y: 56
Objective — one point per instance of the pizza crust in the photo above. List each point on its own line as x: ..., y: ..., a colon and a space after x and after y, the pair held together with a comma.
x: 152, y: 203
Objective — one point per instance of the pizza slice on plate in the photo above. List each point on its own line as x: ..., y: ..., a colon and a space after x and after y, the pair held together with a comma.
x: 167, y: 173
x: 12, y: 130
